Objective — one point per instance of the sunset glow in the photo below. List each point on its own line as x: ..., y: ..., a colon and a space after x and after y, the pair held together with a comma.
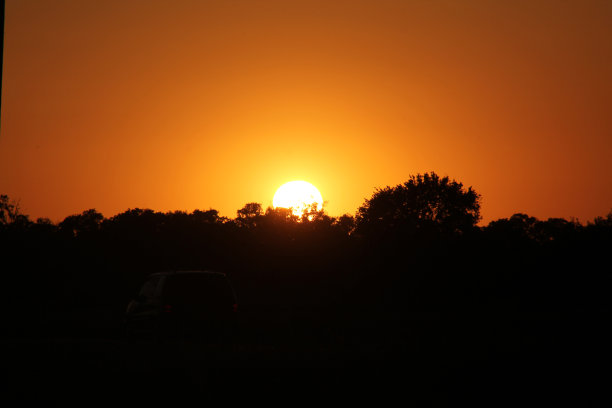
x: 212, y: 104
x: 298, y: 195
x: 307, y: 200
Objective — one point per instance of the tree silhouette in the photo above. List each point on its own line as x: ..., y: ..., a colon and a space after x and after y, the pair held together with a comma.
x: 85, y: 223
x: 311, y: 213
x: 603, y: 221
x: 250, y: 210
x: 346, y: 223
x: 10, y: 212
x: 210, y: 216
x: 248, y: 215
x: 280, y: 216
x: 425, y: 204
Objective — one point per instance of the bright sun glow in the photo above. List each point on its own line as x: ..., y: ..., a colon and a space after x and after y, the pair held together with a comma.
x: 298, y: 195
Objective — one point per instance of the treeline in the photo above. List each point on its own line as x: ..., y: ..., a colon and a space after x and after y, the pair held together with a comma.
x: 415, y: 247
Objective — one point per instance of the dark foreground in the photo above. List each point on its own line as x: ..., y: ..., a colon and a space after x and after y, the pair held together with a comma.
x: 532, y: 359
x: 392, y: 307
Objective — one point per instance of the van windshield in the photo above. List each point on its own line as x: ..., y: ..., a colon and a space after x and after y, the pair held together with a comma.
x: 202, y: 290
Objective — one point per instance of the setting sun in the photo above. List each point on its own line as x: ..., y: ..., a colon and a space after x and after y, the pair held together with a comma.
x: 298, y: 195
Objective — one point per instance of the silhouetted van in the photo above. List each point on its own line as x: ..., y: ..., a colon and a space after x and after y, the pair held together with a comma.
x: 198, y: 305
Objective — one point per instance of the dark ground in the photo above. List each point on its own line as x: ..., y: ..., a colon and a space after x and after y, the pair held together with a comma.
x: 532, y: 359
x: 514, y: 314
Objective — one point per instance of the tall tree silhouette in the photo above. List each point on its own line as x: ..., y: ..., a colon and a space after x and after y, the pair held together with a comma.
x: 425, y: 204
x: 10, y: 213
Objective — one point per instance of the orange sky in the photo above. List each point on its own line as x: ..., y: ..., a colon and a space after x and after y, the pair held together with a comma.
x: 178, y: 105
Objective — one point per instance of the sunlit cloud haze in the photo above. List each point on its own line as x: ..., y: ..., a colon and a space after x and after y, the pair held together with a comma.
x: 178, y: 105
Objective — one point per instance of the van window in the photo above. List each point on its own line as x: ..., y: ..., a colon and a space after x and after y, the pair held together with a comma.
x: 148, y: 289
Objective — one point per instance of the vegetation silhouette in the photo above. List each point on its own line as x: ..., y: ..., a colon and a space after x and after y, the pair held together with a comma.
x: 422, y: 206
x: 411, y: 277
